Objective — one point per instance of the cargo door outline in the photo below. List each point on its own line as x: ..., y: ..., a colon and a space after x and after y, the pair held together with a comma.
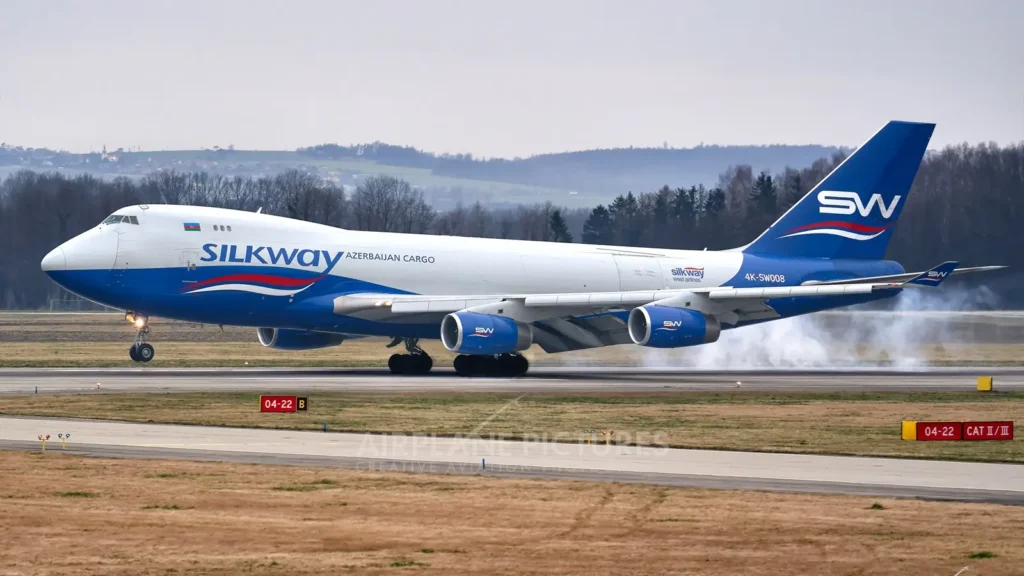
x: 639, y: 273
x: 189, y: 260
x: 118, y: 267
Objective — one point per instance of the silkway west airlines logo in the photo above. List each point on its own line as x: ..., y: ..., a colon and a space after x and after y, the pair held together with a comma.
x: 286, y: 282
x: 671, y: 325
x: 846, y: 204
x: 688, y: 274
x: 482, y: 332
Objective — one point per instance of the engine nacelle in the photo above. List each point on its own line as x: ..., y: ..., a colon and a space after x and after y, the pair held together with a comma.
x: 666, y: 327
x: 472, y: 333
x: 284, y: 339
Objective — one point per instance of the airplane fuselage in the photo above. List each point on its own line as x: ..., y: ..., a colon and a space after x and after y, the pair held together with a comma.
x: 229, y: 267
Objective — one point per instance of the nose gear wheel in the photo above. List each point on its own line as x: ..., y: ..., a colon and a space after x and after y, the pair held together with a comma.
x: 141, y: 351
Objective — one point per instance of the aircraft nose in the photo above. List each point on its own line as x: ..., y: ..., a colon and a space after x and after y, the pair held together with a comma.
x: 54, y: 261
x: 82, y: 257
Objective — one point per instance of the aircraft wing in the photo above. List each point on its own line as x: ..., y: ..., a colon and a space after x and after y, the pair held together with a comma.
x: 572, y: 321
x: 419, y: 304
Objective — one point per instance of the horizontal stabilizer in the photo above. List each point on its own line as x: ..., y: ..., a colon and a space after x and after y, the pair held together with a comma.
x: 905, y: 278
x: 935, y: 276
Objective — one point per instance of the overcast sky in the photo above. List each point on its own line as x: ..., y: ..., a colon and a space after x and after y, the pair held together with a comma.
x: 505, y: 78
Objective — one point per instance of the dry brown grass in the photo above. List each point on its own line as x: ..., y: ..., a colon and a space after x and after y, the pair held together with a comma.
x: 819, y: 422
x: 70, y: 515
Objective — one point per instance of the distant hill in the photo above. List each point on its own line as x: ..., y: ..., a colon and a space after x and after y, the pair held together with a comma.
x: 573, y: 179
x: 593, y: 172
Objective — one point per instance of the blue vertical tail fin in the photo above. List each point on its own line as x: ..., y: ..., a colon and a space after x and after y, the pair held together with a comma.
x: 852, y: 211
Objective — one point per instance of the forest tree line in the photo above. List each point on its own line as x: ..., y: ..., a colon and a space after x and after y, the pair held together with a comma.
x: 966, y: 204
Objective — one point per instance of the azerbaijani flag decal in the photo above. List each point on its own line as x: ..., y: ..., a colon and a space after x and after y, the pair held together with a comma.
x: 192, y: 227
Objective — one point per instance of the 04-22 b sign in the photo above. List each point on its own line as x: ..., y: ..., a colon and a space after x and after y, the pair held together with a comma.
x: 285, y: 404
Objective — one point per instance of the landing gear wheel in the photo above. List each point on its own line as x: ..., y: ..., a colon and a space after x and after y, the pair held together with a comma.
x: 140, y: 351
x: 501, y: 365
x: 395, y: 364
x: 520, y: 365
x: 425, y: 362
x: 144, y: 353
x: 410, y: 363
x: 461, y: 365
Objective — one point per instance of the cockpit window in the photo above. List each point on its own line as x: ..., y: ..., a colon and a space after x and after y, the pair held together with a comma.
x: 116, y: 218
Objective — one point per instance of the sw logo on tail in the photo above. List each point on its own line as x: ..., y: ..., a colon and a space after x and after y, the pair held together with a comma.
x: 851, y: 213
x: 846, y: 203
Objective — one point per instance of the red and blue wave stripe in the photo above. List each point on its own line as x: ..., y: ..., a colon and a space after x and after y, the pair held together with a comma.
x: 851, y: 230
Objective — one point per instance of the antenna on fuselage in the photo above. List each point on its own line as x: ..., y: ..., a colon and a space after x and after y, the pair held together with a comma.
x: 259, y: 210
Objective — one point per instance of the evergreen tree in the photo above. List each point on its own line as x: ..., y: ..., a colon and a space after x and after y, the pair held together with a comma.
x: 761, y: 205
x: 626, y: 222
x: 559, y: 231
x: 598, y: 227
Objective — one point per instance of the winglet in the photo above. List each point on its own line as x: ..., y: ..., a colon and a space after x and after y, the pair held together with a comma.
x: 935, y: 276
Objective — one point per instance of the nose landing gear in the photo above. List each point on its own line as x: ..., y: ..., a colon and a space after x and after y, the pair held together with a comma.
x: 415, y: 362
x: 140, y: 350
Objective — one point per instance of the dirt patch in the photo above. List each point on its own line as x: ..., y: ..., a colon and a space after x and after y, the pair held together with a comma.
x: 157, y: 517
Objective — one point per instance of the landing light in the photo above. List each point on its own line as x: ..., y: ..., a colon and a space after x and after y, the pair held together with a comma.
x: 140, y: 322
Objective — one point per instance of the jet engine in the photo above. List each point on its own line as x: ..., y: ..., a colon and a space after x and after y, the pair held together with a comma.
x: 472, y: 333
x: 667, y: 327
x: 285, y: 339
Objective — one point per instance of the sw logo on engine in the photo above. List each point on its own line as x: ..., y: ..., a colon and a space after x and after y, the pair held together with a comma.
x: 671, y: 325
x: 482, y: 332
x: 846, y: 203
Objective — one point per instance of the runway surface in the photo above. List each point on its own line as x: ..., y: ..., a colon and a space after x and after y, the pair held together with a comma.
x: 262, y: 380
x: 1002, y: 483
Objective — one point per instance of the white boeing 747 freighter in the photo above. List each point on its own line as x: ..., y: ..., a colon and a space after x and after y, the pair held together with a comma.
x: 307, y: 286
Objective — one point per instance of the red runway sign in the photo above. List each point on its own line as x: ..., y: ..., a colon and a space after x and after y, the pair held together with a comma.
x: 988, y: 430
x: 278, y: 403
x: 940, y: 431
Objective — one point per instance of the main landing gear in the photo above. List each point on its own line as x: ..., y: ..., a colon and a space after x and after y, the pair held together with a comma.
x: 140, y: 351
x: 415, y: 362
x: 500, y: 365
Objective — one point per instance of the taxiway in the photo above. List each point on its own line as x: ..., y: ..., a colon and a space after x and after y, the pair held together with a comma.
x: 940, y: 480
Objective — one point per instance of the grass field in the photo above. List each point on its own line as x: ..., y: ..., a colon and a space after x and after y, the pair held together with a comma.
x: 825, y: 423
x: 103, y: 340
x: 70, y: 515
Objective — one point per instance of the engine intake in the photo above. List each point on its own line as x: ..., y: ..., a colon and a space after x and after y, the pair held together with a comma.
x: 472, y: 333
x: 666, y: 327
x: 285, y: 339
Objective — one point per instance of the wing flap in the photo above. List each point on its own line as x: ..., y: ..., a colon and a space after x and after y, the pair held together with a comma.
x: 793, y: 291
